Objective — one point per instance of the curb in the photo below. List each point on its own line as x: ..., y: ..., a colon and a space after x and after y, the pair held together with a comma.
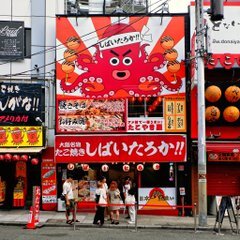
x: 124, y: 226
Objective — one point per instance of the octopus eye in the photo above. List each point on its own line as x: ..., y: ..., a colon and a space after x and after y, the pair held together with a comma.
x: 114, y: 61
x: 127, y: 61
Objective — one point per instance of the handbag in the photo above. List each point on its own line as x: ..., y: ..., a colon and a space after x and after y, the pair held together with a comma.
x: 62, y: 197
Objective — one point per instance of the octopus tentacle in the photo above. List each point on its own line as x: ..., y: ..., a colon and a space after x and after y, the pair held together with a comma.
x: 171, y: 86
x: 71, y: 87
x: 85, y: 62
x: 142, y: 53
x: 158, y: 60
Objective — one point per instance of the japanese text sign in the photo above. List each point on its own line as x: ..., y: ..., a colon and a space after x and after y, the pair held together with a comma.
x: 120, y: 148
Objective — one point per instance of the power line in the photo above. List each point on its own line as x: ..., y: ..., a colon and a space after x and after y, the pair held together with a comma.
x: 53, y: 48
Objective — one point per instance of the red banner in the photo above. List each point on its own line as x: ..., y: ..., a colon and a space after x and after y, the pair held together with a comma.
x: 120, y: 148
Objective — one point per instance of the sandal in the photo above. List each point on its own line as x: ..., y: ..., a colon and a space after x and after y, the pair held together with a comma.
x: 75, y: 220
x: 69, y: 221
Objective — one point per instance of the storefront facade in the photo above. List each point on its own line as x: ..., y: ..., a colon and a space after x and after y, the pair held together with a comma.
x: 121, y: 107
x: 21, y: 143
x: 222, y: 98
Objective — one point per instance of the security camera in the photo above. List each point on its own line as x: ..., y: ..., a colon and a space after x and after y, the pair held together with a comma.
x: 38, y: 119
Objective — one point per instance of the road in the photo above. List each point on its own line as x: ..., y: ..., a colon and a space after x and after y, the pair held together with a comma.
x: 67, y: 233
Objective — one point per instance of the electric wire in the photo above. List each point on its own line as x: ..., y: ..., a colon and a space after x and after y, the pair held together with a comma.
x: 62, y: 44
x: 53, y: 48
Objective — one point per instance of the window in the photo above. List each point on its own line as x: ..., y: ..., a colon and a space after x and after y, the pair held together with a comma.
x: 145, y: 107
x: 27, y: 41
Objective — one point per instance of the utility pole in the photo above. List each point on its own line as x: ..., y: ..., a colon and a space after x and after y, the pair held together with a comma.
x: 202, y: 169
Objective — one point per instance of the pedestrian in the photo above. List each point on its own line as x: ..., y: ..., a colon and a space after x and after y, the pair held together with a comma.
x: 126, y: 186
x: 114, y: 198
x: 105, y: 186
x: 69, y: 199
x: 131, y: 201
x: 101, y: 200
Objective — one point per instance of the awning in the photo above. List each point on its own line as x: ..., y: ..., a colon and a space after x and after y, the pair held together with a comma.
x: 223, y: 147
x: 22, y: 150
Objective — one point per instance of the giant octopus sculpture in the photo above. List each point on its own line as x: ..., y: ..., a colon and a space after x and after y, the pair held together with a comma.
x: 123, y: 70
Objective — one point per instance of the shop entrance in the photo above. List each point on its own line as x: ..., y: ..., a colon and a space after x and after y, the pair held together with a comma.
x: 7, y: 174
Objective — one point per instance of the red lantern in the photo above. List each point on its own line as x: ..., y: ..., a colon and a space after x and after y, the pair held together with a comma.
x: 126, y: 168
x: 159, y: 99
x: 156, y: 166
x: 140, y: 167
x: 1, y: 157
x: 150, y: 109
x: 85, y: 167
x: 16, y: 157
x: 34, y: 161
x: 70, y: 166
x: 132, y: 99
x: 8, y: 157
x: 105, y: 167
x: 24, y: 158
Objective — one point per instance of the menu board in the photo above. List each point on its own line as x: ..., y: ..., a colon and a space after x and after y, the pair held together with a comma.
x: 79, y: 115
x: 11, y: 40
x: 49, y: 191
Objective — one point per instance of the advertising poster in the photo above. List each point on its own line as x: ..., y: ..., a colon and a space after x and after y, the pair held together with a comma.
x: 20, y: 104
x: 49, y: 191
x: 102, y: 57
x: 91, y: 115
x: 157, y: 198
x: 11, y: 40
x: 20, y: 136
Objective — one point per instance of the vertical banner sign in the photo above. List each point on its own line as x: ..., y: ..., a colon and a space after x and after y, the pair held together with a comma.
x: 175, y: 112
x: 36, y: 202
x: 49, y: 191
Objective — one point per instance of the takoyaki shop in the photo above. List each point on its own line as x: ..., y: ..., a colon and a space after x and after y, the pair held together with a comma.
x: 155, y: 164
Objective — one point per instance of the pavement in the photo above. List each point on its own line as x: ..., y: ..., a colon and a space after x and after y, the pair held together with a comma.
x: 57, y: 219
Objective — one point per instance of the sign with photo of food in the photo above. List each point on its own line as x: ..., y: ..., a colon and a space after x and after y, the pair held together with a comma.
x: 90, y: 115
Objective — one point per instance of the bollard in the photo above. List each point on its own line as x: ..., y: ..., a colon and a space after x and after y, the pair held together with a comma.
x: 75, y: 216
x: 237, y: 220
x: 219, y: 220
x: 195, y: 217
x: 136, y: 210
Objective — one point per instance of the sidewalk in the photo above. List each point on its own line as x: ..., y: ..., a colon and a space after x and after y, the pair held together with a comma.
x: 57, y: 219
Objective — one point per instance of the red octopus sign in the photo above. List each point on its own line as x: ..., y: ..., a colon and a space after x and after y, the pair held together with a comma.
x: 136, y: 58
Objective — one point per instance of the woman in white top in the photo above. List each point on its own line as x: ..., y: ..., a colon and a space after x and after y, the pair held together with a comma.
x: 101, y: 195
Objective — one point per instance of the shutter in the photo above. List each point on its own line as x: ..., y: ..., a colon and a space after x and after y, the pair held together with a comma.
x: 223, y: 179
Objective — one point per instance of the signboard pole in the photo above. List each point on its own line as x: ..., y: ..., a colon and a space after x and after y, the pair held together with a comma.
x: 202, y: 181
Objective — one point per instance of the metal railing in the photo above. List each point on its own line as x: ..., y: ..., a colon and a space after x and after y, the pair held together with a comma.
x: 136, y: 205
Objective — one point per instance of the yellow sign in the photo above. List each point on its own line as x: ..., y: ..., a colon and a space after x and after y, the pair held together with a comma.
x: 18, y: 195
x: 175, y: 114
x: 21, y: 136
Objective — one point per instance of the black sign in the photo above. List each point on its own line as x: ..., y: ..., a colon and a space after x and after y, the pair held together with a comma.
x: 20, y: 103
x: 11, y: 40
